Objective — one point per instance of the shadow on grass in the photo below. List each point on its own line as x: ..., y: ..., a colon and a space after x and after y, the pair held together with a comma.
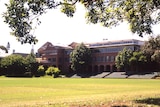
x: 152, y: 101
x: 120, y: 106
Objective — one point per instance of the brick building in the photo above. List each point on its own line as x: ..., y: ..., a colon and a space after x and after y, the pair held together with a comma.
x: 103, y: 54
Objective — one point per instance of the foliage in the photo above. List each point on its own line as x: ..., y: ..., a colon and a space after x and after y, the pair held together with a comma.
x: 17, y: 65
x: 122, y: 59
x: 151, y: 45
x: 130, y: 60
x: 41, y: 70
x: 31, y: 63
x: 31, y: 58
x: 151, y: 49
x: 14, y: 65
x: 80, y: 58
x: 137, y: 57
x: 156, y: 56
x: 52, y: 71
x: 140, y: 14
x: 137, y: 60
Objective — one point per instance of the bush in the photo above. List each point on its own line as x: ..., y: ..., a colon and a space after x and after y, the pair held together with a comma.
x: 53, y: 71
x: 41, y: 70
x: 13, y: 65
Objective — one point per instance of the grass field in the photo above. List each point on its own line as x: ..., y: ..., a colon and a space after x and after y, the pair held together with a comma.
x: 66, y: 92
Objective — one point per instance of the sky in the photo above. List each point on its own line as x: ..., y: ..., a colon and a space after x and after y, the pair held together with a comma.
x: 59, y: 29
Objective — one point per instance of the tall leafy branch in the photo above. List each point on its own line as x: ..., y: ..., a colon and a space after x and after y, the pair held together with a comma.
x: 140, y: 14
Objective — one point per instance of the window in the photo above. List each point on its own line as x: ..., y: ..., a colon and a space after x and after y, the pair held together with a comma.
x: 94, y: 59
x: 60, y: 59
x: 98, y: 59
x: 68, y: 52
x: 103, y: 59
x: 53, y: 59
x: 112, y: 58
x: 107, y: 58
x: 47, y: 52
x: 66, y: 59
x: 49, y: 59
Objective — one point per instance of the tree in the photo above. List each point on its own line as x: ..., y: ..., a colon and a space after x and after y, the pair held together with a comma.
x: 130, y: 60
x: 151, y: 49
x: 140, y: 14
x: 151, y: 45
x: 14, y: 65
x: 31, y: 58
x: 31, y: 63
x: 122, y: 59
x: 137, y: 60
x: 80, y: 58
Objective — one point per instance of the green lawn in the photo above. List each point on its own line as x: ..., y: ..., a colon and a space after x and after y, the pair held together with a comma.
x: 82, y: 92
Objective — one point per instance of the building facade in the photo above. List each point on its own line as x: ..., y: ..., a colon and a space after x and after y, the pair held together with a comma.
x: 103, y: 54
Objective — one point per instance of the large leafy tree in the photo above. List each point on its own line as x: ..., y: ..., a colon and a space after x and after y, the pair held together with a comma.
x: 129, y: 60
x: 80, y: 58
x: 151, y: 49
x: 140, y: 14
x: 137, y: 61
x: 122, y: 59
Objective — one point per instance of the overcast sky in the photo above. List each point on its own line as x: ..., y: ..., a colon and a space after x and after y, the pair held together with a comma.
x: 58, y: 29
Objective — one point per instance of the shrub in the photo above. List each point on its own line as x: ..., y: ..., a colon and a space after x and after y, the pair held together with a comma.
x: 13, y: 65
x: 53, y: 71
x: 41, y: 70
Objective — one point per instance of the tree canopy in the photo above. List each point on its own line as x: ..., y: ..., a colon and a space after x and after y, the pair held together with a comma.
x: 137, y: 60
x: 122, y: 59
x: 80, y: 58
x: 140, y: 14
x: 151, y: 49
x: 130, y: 60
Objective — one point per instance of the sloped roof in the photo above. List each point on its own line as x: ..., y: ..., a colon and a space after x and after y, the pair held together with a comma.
x: 45, y: 46
x: 50, y: 46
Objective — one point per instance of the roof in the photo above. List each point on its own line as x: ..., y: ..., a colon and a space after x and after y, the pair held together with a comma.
x: 45, y: 46
x: 50, y: 46
x: 116, y: 43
